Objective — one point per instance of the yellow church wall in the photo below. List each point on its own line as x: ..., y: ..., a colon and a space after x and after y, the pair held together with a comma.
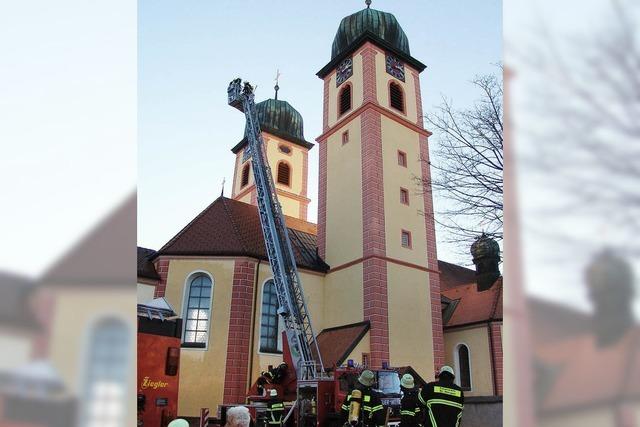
x: 76, y: 312
x: 357, y: 89
x: 289, y: 206
x: 203, y: 369
x: 410, y: 333
x: 295, y: 160
x: 382, y: 87
x: 344, y: 196
x: 399, y: 216
x: 477, y: 340
x: 314, y: 294
x: 343, y: 302
x: 362, y: 347
x: 238, y: 174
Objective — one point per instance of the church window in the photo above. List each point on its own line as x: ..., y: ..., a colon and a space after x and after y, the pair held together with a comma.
x: 404, y: 196
x: 198, y: 311
x: 284, y: 149
x: 402, y: 158
x: 107, y: 375
x: 396, y: 97
x: 345, y: 100
x: 463, y: 366
x: 269, y: 324
x: 345, y: 137
x: 284, y: 174
x: 406, y: 239
x: 245, y: 176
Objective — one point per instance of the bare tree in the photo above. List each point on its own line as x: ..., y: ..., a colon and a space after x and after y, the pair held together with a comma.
x: 467, y: 164
x: 586, y: 126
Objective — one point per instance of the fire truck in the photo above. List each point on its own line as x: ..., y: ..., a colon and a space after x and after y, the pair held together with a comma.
x: 315, y: 395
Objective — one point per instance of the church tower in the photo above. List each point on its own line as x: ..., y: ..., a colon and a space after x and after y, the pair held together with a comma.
x: 287, y: 154
x: 375, y: 224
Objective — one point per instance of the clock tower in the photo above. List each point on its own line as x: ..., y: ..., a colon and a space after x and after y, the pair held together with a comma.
x: 375, y: 223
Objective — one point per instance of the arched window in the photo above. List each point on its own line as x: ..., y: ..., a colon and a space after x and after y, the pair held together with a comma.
x: 245, y: 176
x: 284, y: 174
x: 463, y: 366
x: 396, y: 96
x: 345, y: 100
x: 269, y: 323
x: 198, y: 311
x: 107, y: 375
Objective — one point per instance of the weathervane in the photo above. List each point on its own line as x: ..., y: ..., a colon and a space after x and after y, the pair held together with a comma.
x: 368, y: 3
x: 276, y: 87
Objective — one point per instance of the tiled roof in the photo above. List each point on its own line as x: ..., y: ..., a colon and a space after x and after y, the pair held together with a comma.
x: 452, y: 275
x: 586, y: 375
x: 473, y: 306
x: 336, y: 343
x: 231, y: 228
x: 104, y: 257
x: 146, y: 269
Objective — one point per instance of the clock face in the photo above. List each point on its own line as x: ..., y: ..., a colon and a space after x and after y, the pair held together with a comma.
x: 344, y: 71
x: 395, y: 67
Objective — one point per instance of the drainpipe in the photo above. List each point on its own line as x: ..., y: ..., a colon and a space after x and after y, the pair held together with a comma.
x: 253, y: 325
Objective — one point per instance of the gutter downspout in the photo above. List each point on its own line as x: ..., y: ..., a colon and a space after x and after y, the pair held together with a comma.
x: 253, y: 325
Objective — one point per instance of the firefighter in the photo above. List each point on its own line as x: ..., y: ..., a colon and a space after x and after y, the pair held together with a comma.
x: 275, y: 409
x: 371, y: 411
x: 271, y: 376
x: 443, y: 400
x: 410, y: 414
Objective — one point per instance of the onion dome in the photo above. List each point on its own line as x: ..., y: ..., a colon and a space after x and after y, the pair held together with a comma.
x: 609, y: 272
x: 485, y: 247
x: 486, y: 257
x: 381, y: 25
x: 380, y: 28
x: 280, y: 119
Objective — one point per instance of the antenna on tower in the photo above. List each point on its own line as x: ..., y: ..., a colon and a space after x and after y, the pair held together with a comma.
x: 276, y: 87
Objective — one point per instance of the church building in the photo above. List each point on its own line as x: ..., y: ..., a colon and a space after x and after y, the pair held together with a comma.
x: 375, y: 289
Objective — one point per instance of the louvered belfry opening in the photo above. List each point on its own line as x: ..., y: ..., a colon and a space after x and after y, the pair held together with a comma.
x: 345, y: 99
x: 245, y: 175
x: 396, y: 96
x: 284, y: 174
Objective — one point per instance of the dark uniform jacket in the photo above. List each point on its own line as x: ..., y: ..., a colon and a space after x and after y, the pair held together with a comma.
x: 275, y: 412
x: 443, y: 402
x: 371, y: 409
x: 410, y: 413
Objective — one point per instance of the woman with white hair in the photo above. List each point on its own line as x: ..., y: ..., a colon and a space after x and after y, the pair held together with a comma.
x: 238, y: 416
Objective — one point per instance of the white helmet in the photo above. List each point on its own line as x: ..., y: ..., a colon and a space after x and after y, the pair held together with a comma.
x: 447, y: 369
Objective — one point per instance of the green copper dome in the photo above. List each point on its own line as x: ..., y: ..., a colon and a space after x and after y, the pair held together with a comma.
x: 381, y: 25
x: 279, y: 118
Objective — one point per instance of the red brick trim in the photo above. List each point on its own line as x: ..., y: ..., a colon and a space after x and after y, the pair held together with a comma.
x: 384, y: 111
x: 387, y: 259
x: 368, y: 54
x: 322, y: 200
x: 432, y: 259
x: 235, y: 176
x: 305, y: 173
x: 416, y: 82
x: 162, y: 267
x: 374, y: 239
x: 495, y: 344
x: 237, y: 367
x: 325, y: 113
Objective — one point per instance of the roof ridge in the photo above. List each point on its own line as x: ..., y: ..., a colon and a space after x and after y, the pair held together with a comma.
x: 350, y: 325
x: 234, y: 225
x: 181, y: 232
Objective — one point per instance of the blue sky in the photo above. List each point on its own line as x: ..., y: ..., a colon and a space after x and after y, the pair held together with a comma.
x: 189, y: 51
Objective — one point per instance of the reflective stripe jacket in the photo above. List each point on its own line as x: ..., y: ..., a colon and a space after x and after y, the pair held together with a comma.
x: 371, y: 411
x: 443, y: 402
x: 410, y: 413
x: 275, y: 412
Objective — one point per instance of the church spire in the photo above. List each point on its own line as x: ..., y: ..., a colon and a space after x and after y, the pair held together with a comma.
x: 276, y: 87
